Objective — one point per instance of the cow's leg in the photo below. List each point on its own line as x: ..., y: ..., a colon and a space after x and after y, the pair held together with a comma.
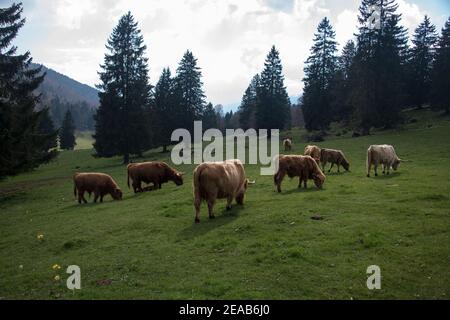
x: 96, y: 195
x: 375, y: 168
x: 101, y: 197
x: 332, y: 165
x: 300, y: 179
x: 197, y: 203
x: 211, y: 207
x: 339, y: 168
x: 369, y: 167
x: 229, y: 202
x: 280, y: 178
x: 388, y: 169
x: 82, y: 196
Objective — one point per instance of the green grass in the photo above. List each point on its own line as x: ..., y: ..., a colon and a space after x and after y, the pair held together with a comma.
x: 150, y: 248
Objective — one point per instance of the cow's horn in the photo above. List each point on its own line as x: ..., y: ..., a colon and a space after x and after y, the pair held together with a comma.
x: 182, y: 173
x: 251, y: 182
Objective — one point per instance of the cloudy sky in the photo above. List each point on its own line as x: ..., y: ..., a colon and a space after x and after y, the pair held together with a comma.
x: 230, y: 38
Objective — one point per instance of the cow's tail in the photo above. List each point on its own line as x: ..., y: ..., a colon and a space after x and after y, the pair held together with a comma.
x: 369, y: 160
x: 128, y: 176
x: 74, y: 186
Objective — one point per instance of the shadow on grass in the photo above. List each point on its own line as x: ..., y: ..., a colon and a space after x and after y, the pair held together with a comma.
x: 301, y: 190
x: 382, y: 176
x: 206, y: 225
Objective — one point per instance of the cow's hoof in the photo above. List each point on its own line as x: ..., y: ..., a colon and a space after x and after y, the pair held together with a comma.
x: 376, y: 174
x: 368, y: 176
x: 197, y: 220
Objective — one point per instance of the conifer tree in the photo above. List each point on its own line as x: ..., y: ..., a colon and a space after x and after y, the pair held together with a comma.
x: 421, y: 62
x: 121, y: 120
x: 47, y: 128
x: 441, y: 72
x: 67, y: 133
x: 249, y: 104
x: 320, y: 71
x: 209, y: 117
x: 273, y: 107
x: 23, y: 146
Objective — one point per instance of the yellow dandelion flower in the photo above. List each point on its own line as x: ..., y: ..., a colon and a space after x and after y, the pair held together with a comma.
x: 57, y: 278
x: 56, y: 267
x: 40, y: 237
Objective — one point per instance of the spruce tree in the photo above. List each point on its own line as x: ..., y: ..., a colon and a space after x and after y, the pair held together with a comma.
x: 121, y: 120
x: 189, y: 96
x: 420, y: 63
x: 163, y: 113
x: 378, y: 84
x: 320, y: 71
x: 273, y: 107
x: 47, y: 128
x: 209, y: 117
x: 340, y: 89
x: 441, y: 72
x: 67, y: 133
x: 249, y: 104
x: 23, y: 146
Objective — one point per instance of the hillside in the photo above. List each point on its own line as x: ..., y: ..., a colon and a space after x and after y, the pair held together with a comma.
x: 148, y: 247
x: 66, y: 89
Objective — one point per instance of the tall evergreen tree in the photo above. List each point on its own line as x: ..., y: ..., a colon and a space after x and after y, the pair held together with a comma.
x: 249, y: 103
x: 47, y: 128
x: 67, y: 133
x: 320, y: 71
x: 121, y: 127
x: 163, y: 113
x: 23, y: 146
x: 209, y: 117
x: 420, y: 63
x: 441, y: 72
x: 190, y: 99
x: 340, y: 89
x: 379, y: 67
x: 273, y: 107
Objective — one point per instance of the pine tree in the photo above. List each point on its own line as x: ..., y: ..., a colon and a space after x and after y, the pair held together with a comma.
x: 47, y: 128
x: 320, y: 71
x: 340, y: 89
x: 273, y: 107
x: 121, y: 120
x: 421, y: 62
x: 67, y: 133
x: 163, y: 113
x: 379, y: 67
x: 441, y: 72
x: 209, y: 117
x: 23, y: 146
x: 189, y: 96
x: 249, y: 104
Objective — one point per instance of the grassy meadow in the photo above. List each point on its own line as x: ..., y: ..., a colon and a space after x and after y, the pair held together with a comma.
x: 148, y: 247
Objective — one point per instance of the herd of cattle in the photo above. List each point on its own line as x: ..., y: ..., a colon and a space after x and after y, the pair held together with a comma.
x: 227, y: 179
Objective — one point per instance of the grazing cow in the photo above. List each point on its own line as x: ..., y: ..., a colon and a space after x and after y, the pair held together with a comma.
x: 219, y: 180
x: 334, y: 157
x: 287, y: 143
x: 384, y: 155
x: 313, y: 151
x: 152, y: 172
x: 98, y: 183
x: 304, y: 167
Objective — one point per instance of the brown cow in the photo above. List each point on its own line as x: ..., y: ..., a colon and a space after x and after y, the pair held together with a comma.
x: 287, y: 143
x: 334, y: 157
x: 219, y: 180
x: 304, y: 167
x: 313, y: 151
x: 152, y: 172
x: 98, y: 183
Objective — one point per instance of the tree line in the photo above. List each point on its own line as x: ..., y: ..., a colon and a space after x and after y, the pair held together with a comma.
x: 369, y: 83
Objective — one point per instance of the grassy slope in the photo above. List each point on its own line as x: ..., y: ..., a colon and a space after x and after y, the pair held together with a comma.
x: 148, y: 245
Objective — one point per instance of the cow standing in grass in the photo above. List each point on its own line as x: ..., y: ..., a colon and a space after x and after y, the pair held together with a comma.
x: 152, y: 172
x: 304, y: 167
x: 98, y: 183
x: 287, y: 143
x: 335, y: 157
x: 313, y: 151
x: 384, y: 155
x: 219, y: 180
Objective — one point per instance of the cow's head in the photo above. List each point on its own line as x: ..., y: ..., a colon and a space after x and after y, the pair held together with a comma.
x: 346, y: 165
x: 117, y: 194
x: 177, y: 177
x: 319, y: 180
x: 396, y: 164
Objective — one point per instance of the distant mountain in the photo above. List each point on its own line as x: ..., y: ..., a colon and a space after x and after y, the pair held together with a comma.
x: 66, y: 89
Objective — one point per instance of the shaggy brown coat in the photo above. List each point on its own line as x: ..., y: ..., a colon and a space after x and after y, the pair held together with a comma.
x: 152, y: 172
x: 287, y: 143
x: 313, y: 151
x: 218, y: 180
x: 98, y: 183
x: 335, y: 157
x: 304, y: 167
